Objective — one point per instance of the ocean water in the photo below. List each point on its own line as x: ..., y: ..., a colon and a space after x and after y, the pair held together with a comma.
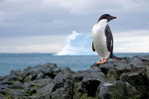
x: 10, y: 62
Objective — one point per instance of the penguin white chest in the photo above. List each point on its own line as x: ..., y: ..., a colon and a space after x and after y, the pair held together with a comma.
x: 99, y: 39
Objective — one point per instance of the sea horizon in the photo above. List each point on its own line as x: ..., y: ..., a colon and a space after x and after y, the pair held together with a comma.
x: 55, y: 53
x: 19, y: 61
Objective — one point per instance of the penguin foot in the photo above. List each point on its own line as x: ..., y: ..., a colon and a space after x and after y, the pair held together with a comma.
x: 102, y: 61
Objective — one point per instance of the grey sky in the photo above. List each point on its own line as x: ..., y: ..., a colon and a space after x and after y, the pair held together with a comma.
x: 57, y: 18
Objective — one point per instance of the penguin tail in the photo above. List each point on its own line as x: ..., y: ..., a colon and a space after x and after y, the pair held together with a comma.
x: 115, y: 57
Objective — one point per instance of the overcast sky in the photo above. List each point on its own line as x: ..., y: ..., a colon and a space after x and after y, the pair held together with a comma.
x: 43, y: 25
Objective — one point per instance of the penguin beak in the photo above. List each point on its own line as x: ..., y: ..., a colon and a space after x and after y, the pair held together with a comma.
x: 113, y: 17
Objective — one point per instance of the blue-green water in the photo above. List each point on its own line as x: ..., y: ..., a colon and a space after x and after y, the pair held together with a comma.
x: 10, y: 62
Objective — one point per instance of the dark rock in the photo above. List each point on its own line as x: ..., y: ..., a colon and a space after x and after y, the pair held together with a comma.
x: 88, y: 81
x: 139, y: 80
x: 41, y: 71
x: 63, y: 85
x: 124, y: 79
x: 117, y: 90
x: 2, y: 97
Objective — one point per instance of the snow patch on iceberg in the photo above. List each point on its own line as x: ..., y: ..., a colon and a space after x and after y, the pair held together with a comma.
x: 77, y: 44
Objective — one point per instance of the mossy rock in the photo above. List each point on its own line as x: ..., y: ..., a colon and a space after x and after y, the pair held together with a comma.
x: 118, y: 90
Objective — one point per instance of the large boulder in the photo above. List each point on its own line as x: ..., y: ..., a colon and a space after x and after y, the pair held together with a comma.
x: 117, y: 90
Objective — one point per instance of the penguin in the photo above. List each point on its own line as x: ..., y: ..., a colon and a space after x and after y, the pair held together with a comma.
x: 103, y: 39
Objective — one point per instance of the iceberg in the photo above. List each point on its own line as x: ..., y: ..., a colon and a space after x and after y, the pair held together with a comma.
x: 77, y: 44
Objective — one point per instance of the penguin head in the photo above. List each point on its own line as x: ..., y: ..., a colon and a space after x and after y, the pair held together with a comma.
x: 106, y: 16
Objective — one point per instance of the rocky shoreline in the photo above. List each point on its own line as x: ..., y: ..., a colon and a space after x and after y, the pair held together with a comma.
x: 124, y: 79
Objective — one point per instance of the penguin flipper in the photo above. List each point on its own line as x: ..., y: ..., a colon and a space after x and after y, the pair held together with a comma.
x: 93, y: 48
x: 109, y: 40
